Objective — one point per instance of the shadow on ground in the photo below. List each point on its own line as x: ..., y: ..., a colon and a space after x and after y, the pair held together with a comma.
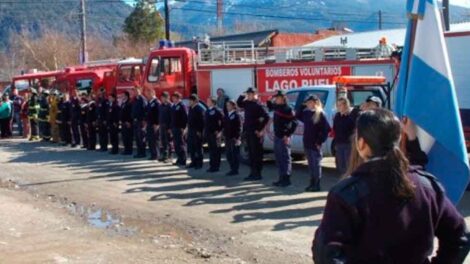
x: 288, y: 208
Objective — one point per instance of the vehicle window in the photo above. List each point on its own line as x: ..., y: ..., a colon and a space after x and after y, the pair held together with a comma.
x: 21, y: 85
x: 154, y: 71
x: 84, y: 85
x: 171, y: 65
x: 292, y: 99
x: 125, y: 74
x: 136, y: 73
x: 359, y: 97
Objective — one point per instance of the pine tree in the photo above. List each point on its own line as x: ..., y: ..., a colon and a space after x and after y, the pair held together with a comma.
x: 145, y: 23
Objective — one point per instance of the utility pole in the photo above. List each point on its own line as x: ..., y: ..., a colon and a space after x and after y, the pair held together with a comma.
x: 167, y: 20
x: 446, y: 11
x: 220, y: 16
x: 83, y: 51
x: 380, y: 20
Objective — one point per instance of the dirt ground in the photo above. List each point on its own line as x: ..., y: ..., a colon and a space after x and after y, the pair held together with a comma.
x: 63, y: 205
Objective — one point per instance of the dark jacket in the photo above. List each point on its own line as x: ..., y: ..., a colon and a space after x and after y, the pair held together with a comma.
x: 112, y: 117
x: 284, y: 121
x: 343, y: 127
x: 91, y: 112
x: 139, y: 107
x: 164, y: 114
x: 75, y: 109
x: 214, y: 121
x: 153, y: 115
x: 256, y: 117
x: 232, y: 126
x: 83, y: 112
x: 179, y: 116
x: 365, y: 223
x: 315, y: 134
x: 101, y: 109
x: 126, y: 112
x: 64, y: 109
x: 196, y: 118
x: 43, y: 114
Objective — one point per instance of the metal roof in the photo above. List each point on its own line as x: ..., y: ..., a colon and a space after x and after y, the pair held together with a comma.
x: 371, y: 39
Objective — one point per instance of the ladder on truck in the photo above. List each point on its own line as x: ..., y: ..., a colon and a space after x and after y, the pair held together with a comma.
x: 245, y: 52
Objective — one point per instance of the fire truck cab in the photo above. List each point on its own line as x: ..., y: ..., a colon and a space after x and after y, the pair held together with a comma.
x: 124, y: 76
x: 23, y: 82
x: 81, y: 79
x: 171, y: 70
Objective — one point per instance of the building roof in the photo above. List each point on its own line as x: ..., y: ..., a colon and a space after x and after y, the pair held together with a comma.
x: 259, y: 38
x: 371, y: 39
x: 300, y: 39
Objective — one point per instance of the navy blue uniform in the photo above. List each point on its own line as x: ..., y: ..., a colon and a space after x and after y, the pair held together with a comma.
x: 364, y: 222
x: 256, y: 119
x: 316, y: 130
x: 101, y: 111
x: 179, y: 120
x: 164, y: 117
x: 343, y: 127
x: 66, y: 135
x: 91, y: 125
x: 83, y: 123
x: 214, y: 126
x: 232, y: 134
x: 195, y: 130
x: 139, y: 106
x: 75, y: 111
x: 112, y: 119
x: 152, y: 127
x: 284, y: 124
x: 126, y: 127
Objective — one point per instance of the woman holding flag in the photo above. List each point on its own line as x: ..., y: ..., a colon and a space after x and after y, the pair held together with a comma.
x: 387, y: 212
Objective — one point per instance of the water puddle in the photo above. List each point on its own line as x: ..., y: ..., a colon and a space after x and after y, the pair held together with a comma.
x: 101, y: 219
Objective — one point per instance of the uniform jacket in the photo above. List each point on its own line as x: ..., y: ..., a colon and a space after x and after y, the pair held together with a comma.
x: 126, y: 112
x: 256, y: 117
x: 112, y: 116
x: 102, y: 106
x: 53, y: 110
x: 75, y: 109
x: 164, y: 114
x: 43, y: 114
x: 179, y: 116
x: 364, y: 223
x: 214, y: 120
x: 91, y: 112
x: 315, y: 134
x: 284, y: 121
x: 343, y: 127
x: 153, y: 114
x: 83, y: 111
x: 232, y: 126
x: 65, y: 111
x: 196, y: 118
x: 139, y: 107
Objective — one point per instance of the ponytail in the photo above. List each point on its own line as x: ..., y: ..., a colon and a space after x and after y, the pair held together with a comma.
x: 402, y: 187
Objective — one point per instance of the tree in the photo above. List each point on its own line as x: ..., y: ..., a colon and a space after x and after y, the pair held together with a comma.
x: 145, y: 23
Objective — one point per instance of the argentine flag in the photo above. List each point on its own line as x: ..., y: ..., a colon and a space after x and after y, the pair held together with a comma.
x: 426, y: 95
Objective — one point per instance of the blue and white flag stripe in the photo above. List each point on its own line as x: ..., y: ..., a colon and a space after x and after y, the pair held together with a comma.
x: 428, y: 98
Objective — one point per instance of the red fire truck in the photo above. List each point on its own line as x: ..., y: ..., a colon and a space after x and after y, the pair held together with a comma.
x: 124, y: 75
x: 25, y: 81
x: 81, y: 79
x: 235, y: 66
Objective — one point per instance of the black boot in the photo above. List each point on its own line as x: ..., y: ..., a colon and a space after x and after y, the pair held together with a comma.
x: 283, y: 181
x: 314, y: 185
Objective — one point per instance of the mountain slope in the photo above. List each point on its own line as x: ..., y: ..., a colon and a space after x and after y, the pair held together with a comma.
x: 104, y: 18
x: 193, y: 16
